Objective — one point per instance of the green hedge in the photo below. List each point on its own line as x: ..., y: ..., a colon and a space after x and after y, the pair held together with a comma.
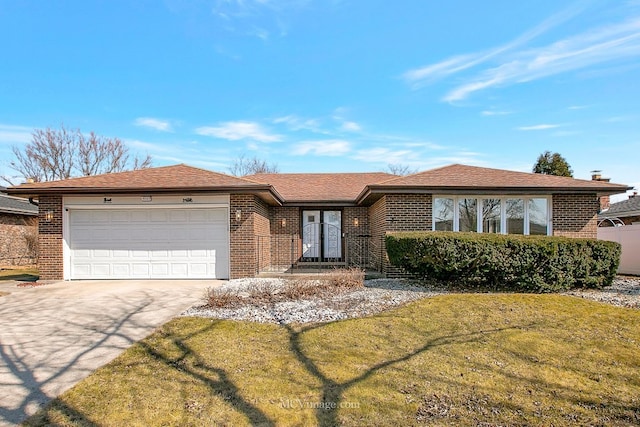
x: 506, y: 262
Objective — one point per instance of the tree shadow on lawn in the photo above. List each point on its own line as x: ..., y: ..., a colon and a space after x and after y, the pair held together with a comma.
x: 223, y: 386
x: 327, y: 409
x: 333, y: 391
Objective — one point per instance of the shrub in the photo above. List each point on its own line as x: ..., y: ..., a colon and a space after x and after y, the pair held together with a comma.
x: 506, y: 262
x: 295, y: 288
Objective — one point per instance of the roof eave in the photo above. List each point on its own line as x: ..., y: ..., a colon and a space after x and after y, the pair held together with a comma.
x: 266, y: 192
x: 320, y: 203
x: 374, y: 192
x: 621, y: 214
x: 18, y: 212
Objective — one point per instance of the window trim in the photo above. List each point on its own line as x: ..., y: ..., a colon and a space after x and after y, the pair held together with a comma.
x: 503, y: 211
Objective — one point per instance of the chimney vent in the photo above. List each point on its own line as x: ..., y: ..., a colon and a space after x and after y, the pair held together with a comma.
x: 597, y: 176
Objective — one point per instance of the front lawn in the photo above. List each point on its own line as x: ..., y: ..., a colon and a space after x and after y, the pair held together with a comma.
x: 19, y: 273
x: 459, y: 359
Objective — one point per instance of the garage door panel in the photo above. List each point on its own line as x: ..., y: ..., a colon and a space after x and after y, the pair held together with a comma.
x: 121, y: 269
x: 152, y: 243
x: 159, y: 270
x: 140, y: 270
x: 101, y: 269
x: 121, y: 216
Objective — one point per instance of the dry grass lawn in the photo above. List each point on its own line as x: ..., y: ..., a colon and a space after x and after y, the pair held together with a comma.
x: 19, y: 273
x: 470, y: 359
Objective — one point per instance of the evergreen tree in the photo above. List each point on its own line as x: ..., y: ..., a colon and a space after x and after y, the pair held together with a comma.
x: 552, y: 164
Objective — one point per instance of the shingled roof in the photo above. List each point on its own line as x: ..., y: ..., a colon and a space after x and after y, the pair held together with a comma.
x: 16, y: 205
x: 167, y: 178
x: 460, y: 178
x: 320, y: 187
x: 629, y: 207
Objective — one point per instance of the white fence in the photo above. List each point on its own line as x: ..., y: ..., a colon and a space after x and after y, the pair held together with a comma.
x: 629, y: 237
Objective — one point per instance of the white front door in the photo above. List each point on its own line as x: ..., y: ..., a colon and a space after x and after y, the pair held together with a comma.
x: 322, y: 234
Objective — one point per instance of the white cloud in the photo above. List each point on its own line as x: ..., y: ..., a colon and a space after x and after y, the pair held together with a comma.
x: 142, y: 145
x: 495, y: 113
x: 513, y: 64
x: 235, y: 131
x: 618, y: 119
x: 256, y: 18
x: 539, y: 127
x: 327, y: 147
x: 11, y: 134
x: 421, y: 76
x: 351, y: 126
x: 296, y: 123
x: 601, y: 45
x: 384, y: 155
x: 150, y: 122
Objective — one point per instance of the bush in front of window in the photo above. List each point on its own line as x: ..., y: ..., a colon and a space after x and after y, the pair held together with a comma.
x: 505, y: 262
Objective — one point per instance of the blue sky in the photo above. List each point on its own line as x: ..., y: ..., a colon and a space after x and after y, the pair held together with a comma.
x: 331, y: 85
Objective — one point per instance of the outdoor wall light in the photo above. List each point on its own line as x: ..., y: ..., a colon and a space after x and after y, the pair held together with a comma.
x: 356, y: 222
x: 48, y: 216
x: 238, y: 215
x: 283, y: 222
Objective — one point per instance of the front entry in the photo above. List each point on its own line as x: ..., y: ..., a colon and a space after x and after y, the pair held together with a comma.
x: 322, y: 235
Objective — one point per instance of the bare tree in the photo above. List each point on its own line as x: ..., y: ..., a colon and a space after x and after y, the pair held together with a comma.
x: 243, y: 166
x: 55, y: 154
x: 400, y: 170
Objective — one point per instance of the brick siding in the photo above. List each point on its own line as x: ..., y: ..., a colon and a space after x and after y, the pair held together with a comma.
x: 262, y: 227
x: 50, y: 260
x: 286, y: 245
x: 259, y: 240
x: 357, y: 237
x: 378, y: 227
x: 18, y: 239
x: 406, y: 212
x: 575, y: 215
x: 254, y: 221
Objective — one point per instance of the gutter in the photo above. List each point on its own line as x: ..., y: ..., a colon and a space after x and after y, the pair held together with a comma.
x: 253, y: 189
x: 372, y: 190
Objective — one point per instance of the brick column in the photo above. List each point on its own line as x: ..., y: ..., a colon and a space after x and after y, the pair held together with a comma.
x: 50, y: 259
x: 254, y: 221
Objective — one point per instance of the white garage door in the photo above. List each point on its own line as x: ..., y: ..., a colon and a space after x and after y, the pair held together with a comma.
x: 159, y: 243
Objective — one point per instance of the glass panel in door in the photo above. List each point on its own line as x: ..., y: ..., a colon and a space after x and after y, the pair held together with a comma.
x: 332, y: 245
x: 310, y: 234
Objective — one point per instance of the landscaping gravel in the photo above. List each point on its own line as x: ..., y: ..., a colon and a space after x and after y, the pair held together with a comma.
x: 376, y: 296
x: 623, y: 292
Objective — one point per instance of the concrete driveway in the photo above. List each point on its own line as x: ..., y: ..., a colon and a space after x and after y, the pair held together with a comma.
x: 55, y: 335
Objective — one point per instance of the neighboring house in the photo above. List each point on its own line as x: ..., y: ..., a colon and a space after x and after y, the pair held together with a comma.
x: 185, y: 222
x: 18, y: 230
x: 626, y: 212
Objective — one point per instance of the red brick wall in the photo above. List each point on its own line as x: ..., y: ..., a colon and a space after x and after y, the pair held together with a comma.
x: 262, y: 227
x: 243, y: 243
x: 357, y: 237
x: 575, y: 215
x: 406, y: 212
x: 286, y: 246
x: 18, y: 239
x: 50, y: 260
x: 409, y: 212
x: 378, y: 227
